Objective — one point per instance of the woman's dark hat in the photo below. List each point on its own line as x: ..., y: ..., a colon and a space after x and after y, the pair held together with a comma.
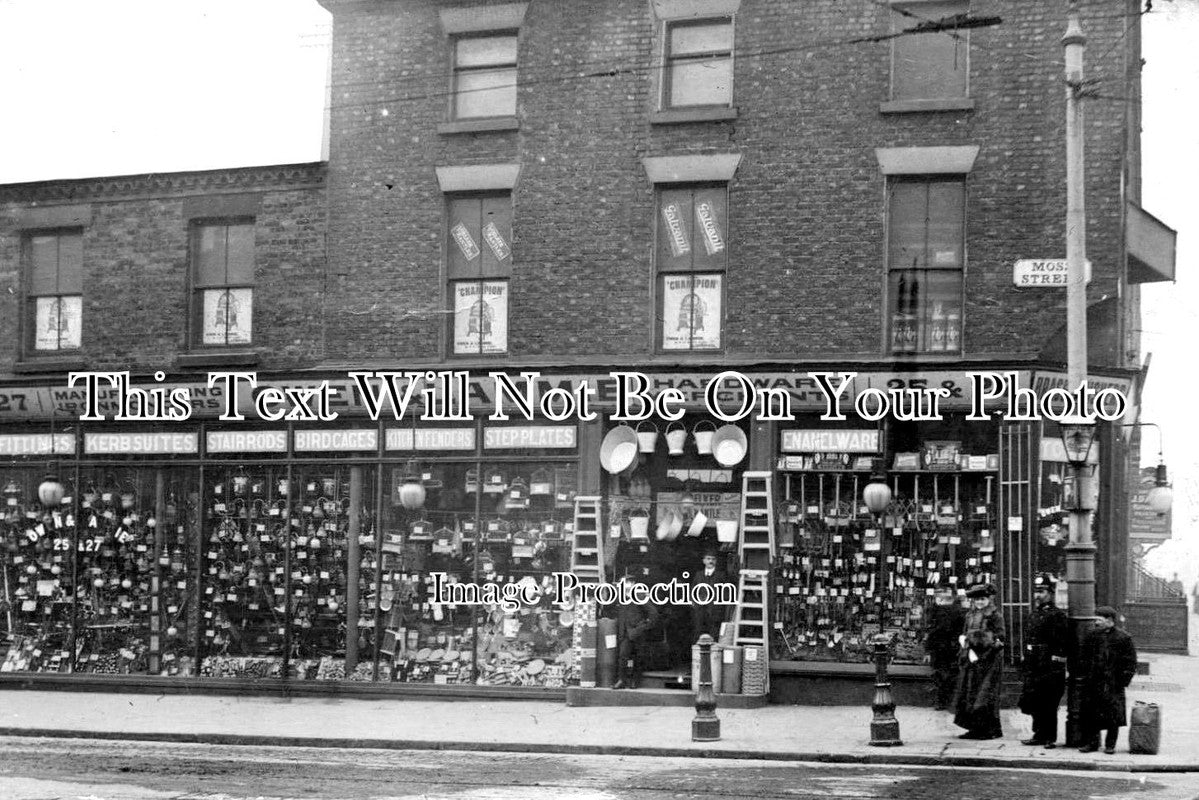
x: 982, y: 590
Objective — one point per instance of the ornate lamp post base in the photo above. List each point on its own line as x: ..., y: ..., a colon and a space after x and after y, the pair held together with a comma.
x: 884, y: 728
x: 706, y: 725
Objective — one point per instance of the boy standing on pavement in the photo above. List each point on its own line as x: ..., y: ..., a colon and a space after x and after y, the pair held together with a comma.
x: 1044, y: 664
x: 1106, y: 665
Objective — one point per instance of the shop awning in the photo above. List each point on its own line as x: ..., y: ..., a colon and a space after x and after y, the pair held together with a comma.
x: 1151, y: 245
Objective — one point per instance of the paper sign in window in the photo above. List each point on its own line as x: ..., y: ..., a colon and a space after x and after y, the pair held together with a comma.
x: 495, y: 240
x: 227, y: 315
x: 691, y: 313
x: 466, y: 242
x: 705, y: 214
x: 481, y: 317
x: 672, y: 215
x: 58, y: 323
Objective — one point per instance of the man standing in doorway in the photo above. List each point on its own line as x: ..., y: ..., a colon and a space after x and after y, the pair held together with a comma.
x: 1044, y: 663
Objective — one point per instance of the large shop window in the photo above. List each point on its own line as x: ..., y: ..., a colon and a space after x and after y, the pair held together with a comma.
x: 925, y: 263
x: 929, y: 66
x: 485, y: 76
x: 504, y: 524
x: 55, y: 294
x: 223, y: 283
x: 698, y: 64
x: 479, y: 267
x: 844, y: 574
x: 691, y: 258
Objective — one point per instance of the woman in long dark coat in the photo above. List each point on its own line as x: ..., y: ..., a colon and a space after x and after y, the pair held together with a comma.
x: 976, y: 704
x: 1107, y: 663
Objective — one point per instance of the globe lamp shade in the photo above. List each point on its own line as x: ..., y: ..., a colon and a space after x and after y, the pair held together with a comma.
x: 1161, y: 496
x: 412, y: 495
x: 877, y: 496
x: 50, y: 491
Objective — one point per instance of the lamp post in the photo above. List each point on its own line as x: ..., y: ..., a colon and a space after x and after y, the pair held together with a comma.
x: 884, y: 727
x: 1080, y: 552
x: 1078, y: 436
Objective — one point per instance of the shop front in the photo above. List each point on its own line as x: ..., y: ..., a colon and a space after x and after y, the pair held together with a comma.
x: 420, y: 556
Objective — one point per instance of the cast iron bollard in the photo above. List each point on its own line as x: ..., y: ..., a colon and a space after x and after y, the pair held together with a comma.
x: 706, y: 725
x: 884, y: 728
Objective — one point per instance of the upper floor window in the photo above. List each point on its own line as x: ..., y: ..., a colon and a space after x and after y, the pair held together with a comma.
x: 929, y: 66
x: 925, y: 263
x: 479, y: 265
x: 485, y: 76
x: 222, y: 283
x: 691, y: 259
x: 698, y: 63
x: 55, y: 292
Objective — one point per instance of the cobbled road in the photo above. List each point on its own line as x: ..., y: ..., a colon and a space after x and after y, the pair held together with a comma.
x: 77, y: 769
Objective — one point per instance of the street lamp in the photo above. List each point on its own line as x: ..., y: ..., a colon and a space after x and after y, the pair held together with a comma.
x: 884, y: 727
x: 1161, y: 496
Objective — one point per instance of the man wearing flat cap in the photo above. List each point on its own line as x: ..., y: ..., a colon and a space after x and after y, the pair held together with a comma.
x: 976, y: 704
x: 1107, y: 663
x: 1044, y: 662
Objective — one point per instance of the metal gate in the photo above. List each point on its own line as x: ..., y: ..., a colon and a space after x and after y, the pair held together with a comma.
x: 1019, y: 479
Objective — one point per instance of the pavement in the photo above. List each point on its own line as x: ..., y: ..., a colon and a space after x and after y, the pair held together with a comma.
x: 777, y: 733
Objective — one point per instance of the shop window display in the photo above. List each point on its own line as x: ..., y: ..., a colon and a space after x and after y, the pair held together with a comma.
x: 843, y: 574
x: 504, y: 524
x: 37, y: 577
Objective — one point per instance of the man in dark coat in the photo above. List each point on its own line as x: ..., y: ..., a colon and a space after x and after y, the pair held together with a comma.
x: 1044, y: 664
x: 706, y: 618
x: 946, y: 622
x: 1107, y: 663
x: 976, y: 704
x: 636, y: 625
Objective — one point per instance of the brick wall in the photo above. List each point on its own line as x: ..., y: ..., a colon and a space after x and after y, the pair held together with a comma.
x: 135, y: 263
x: 805, y: 273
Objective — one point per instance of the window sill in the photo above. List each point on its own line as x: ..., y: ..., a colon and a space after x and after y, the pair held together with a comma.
x: 682, y: 116
x: 917, y: 106
x: 487, y: 125
x: 49, y: 364
x: 218, y: 358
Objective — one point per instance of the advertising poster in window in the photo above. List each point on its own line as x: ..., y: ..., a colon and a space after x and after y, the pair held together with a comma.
x: 227, y: 315
x: 691, y: 312
x: 58, y: 323
x: 676, y: 230
x: 481, y: 317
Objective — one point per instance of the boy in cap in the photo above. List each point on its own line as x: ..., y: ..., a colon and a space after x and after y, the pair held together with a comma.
x: 635, y: 626
x: 1106, y: 665
x: 976, y: 704
x: 1044, y: 663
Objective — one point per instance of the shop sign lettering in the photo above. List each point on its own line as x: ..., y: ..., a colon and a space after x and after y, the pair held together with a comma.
x: 140, y: 443
x: 356, y: 439
x: 831, y: 441
x: 246, y: 442
x: 429, y: 439
x: 552, y: 436
x: 36, y: 444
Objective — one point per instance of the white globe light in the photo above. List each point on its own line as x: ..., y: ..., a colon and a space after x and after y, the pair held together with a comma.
x: 412, y: 496
x: 1160, y: 499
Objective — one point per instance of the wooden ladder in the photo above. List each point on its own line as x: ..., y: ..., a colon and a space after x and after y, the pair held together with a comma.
x: 751, y: 623
x: 587, y: 545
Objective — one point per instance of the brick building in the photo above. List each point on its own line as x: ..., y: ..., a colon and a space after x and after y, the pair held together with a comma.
x: 683, y: 187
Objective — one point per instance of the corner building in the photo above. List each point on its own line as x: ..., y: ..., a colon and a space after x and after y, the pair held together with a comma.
x: 677, y: 187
